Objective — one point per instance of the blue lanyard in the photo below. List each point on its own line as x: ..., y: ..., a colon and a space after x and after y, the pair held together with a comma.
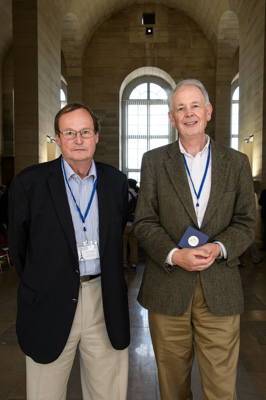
x: 204, y: 176
x: 83, y: 217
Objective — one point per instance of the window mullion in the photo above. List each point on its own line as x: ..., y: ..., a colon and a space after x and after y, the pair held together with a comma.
x: 148, y: 126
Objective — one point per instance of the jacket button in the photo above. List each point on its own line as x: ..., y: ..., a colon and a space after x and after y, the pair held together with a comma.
x: 74, y: 300
x: 77, y: 271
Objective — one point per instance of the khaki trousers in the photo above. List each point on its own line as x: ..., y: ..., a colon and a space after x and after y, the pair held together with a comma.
x: 104, y: 370
x: 216, y: 340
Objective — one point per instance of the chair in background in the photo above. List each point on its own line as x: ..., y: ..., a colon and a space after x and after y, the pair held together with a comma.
x: 4, y: 255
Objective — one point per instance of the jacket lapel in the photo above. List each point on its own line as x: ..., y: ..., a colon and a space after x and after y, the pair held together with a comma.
x: 58, y: 193
x: 177, y: 172
x: 176, y: 169
x: 220, y: 170
x: 103, y: 206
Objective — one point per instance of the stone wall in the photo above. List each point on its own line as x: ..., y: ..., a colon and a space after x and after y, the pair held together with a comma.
x: 49, y: 67
x: 37, y: 77
x: 121, y: 46
x: 251, y: 81
x: 5, y: 43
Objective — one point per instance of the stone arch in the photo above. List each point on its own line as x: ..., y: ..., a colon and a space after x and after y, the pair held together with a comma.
x: 144, y: 71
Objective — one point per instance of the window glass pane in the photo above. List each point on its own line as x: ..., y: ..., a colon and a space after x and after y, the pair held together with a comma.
x: 234, y: 143
x: 159, y: 122
x: 137, y: 120
x: 146, y: 125
x: 62, y: 95
x: 154, y: 143
x: 134, y: 175
x: 236, y: 94
x: 140, y: 92
x: 136, y: 149
x: 235, y: 113
x: 157, y: 92
x: 63, y: 99
x: 235, y: 119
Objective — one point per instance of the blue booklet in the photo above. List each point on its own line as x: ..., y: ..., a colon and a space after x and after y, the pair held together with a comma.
x: 193, y: 238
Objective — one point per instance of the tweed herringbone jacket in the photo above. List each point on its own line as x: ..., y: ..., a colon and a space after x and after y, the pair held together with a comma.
x: 164, y: 211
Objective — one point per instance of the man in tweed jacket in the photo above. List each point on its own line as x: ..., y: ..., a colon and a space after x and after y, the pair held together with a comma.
x: 194, y: 295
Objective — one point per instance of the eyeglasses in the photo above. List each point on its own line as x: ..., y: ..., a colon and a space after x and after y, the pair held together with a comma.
x: 85, y: 134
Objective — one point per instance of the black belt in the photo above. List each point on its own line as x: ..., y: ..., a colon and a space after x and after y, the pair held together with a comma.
x: 86, y: 278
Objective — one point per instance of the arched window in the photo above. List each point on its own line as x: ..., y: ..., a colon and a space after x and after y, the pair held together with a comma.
x: 63, y: 98
x: 63, y: 92
x: 145, y: 121
x: 234, y: 115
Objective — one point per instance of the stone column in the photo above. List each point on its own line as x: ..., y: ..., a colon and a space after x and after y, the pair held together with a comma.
x: 26, y: 124
x: 37, y: 77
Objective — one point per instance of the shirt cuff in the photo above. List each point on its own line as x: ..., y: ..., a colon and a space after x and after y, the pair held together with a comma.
x: 168, y: 259
x: 223, y: 250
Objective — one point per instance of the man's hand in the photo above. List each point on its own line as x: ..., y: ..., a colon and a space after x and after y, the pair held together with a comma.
x: 196, y: 259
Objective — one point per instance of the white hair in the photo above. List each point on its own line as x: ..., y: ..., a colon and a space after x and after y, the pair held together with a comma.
x: 189, y: 82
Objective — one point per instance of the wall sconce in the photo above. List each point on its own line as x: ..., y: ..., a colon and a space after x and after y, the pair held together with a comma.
x: 51, y: 139
x: 249, y: 139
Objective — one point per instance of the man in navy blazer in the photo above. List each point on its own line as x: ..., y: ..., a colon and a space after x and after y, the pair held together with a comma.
x: 66, y: 227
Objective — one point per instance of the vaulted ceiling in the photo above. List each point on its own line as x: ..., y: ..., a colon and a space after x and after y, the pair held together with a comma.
x: 90, y: 14
x: 81, y: 18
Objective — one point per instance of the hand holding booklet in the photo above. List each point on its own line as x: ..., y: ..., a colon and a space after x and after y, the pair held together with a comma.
x: 193, y: 238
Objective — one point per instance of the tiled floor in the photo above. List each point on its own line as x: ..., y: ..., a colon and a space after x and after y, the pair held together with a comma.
x: 143, y: 382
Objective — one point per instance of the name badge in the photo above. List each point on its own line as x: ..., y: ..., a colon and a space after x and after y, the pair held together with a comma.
x: 88, y: 251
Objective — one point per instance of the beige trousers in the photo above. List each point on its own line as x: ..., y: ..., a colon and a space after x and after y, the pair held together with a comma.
x: 104, y: 370
x: 216, y: 340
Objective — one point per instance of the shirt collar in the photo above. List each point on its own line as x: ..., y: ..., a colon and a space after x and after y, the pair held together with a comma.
x: 71, y: 174
x: 183, y: 151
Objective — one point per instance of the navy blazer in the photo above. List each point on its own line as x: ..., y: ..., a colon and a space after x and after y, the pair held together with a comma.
x: 43, y: 248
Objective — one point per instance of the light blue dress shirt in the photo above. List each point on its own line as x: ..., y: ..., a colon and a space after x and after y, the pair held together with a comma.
x: 82, y: 190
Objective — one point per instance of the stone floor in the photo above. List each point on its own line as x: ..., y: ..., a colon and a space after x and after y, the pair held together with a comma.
x: 143, y: 382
